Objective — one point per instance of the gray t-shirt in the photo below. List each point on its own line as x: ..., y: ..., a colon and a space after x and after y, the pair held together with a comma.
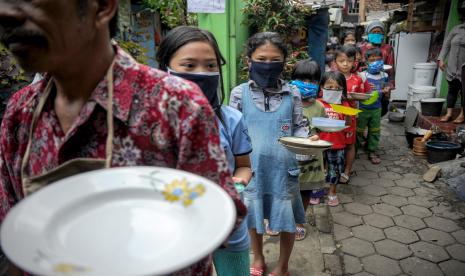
x: 454, y: 50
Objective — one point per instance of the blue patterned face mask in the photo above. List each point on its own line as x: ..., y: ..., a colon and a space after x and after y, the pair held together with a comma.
x: 375, y: 38
x: 307, y: 89
x: 375, y: 67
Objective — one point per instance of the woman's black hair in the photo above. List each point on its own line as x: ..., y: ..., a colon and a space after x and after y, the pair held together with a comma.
x: 358, y: 50
x: 306, y: 69
x: 348, y: 50
x: 336, y: 76
x: 260, y: 39
x: 346, y: 34
x: 373, y: 52
x: 181, y: 36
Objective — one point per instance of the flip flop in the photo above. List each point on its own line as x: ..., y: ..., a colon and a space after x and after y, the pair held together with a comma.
x: 374, y: 159
x: 432, y: 174
x: 269, y: 232
x: 300, y: 233
x: 314, y: 200
x: 333, y: 200
x: 285, y: 274
x: 344, y: 179
x: 257, y: 271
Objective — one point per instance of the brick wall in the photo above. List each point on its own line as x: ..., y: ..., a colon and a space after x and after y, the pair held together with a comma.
x: 377, y: 5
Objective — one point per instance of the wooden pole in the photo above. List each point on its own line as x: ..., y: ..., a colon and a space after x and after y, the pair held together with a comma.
x: 362, y: 11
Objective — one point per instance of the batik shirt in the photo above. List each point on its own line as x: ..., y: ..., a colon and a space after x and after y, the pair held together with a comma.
x: 159, y: 120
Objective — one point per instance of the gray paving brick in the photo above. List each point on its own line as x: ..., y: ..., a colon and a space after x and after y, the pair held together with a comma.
x: 374, y: 190
x: 336, y: 209
x: 408, y: 183
x: 392, y: 249
x: 435, y: 236
x: 412, y: 223
x: 375, y: 168
x: 367, y: 174
x: 417, y: 267
x: 396, y: 169
x: 341, y: 232
x: 386, y: 209
x: 359, y: 181
x: 442, y: 224
x: 390, y: 175
x: 351, y: 264
x: 416, y: 211
x: 453, y: 268
x: 423, y: 191
x: 363, y: 274
x: 457, y: 251
x: 333, y: 264
x: 394, y: 200
x: 377, y: 220
x: 357, y: 247
x: 380, y: 265
x: 327, y: 245
x: 428, y: 251
x: 446, y: 212
x: 343, y: 198
x: 367, y: 199
x: 358, y: 208
x: 401, y: 234
x: 413, y: 176
x: 347, y: 219
x: 424, y: 201
x: 459, y: 236
x: 386, y: 183
x: 368, y: 233
x: 401, y: 191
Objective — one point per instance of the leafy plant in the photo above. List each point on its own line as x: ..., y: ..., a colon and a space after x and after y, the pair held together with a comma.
x: 286, y: 17
x: 138, y: 52
x: 173, y: 12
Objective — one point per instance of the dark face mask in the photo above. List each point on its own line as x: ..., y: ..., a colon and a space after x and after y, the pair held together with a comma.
x: 266, y: 74
x: 208, y: 83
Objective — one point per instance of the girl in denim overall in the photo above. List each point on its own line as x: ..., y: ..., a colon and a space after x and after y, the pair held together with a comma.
x: 272, y: 109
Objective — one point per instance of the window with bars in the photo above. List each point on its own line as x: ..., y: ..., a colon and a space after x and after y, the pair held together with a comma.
x: 353, y: 6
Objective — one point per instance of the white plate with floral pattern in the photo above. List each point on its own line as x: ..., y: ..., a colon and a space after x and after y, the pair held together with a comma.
x: 121, y: 221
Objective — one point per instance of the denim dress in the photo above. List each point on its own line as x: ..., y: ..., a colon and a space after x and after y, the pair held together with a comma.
x: 273, y: 192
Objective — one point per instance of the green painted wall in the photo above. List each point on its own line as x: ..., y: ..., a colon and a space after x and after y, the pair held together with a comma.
x: 231, y: 35
x: 452, y: 21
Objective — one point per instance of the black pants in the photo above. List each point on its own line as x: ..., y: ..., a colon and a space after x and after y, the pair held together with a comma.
x: 455, y: 87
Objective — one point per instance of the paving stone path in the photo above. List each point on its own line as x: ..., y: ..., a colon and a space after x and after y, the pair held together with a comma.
x: 391, y: 222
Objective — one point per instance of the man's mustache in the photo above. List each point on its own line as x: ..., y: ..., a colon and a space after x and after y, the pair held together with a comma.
x: 23, y: 36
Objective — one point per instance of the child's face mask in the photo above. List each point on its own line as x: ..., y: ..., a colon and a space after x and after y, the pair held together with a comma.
x: 332, y: 96
x: 375, y: 67
x: 307, y: 90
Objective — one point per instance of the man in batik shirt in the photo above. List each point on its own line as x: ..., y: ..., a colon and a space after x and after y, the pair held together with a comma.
x: 158, y: 120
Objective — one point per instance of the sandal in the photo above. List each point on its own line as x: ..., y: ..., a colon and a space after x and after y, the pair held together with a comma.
x: 457, y: 121
x: 375, y: 160
x: 446, y: 118
x: 285, y: 274
x: 257, y: 271
x: 300, y: 233
x: 333, y: 200
x: 344, y: 179
x: 314, y: 200
x: 269, y: 232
